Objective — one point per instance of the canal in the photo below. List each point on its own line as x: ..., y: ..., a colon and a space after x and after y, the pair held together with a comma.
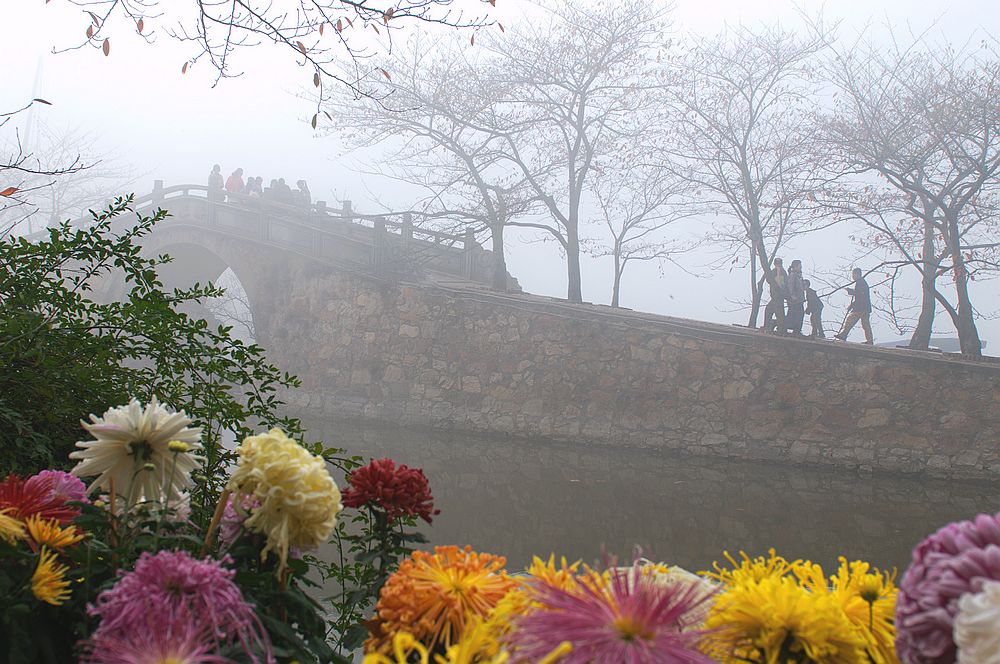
x: 524, y: 497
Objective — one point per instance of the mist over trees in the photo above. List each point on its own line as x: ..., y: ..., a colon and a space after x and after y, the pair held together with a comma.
x: 604, y: 129
x: 614, y: 137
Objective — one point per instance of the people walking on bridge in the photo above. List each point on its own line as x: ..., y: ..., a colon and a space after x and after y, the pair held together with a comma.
x: 234, y: 185
x: 795, y: 292
x: 302, y: 195
x: 860, y: 309
x: 814, y: 307
x: 283, y: 193
x: 215, y: 182
x: 775, y: 309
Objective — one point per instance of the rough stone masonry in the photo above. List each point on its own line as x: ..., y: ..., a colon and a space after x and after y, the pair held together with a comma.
x: 465, y: 359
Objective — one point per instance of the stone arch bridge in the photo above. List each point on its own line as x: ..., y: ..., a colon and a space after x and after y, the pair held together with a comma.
x: 389, y: 322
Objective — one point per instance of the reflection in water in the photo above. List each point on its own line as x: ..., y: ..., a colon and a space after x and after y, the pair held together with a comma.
x: 520, y: 498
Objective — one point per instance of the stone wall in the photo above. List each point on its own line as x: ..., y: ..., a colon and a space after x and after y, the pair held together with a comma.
x: 468, y: 360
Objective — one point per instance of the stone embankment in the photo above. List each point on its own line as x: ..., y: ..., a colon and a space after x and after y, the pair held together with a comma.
x: 463, y: 359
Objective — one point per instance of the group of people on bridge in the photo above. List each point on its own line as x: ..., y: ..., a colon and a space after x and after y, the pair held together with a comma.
x: 254, y: 187
x: 792, y: 297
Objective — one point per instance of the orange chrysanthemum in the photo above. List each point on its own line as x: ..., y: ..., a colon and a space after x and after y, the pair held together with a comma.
x: 433, y: 595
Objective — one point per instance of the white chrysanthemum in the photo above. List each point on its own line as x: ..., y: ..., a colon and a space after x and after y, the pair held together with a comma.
x: 129, y: 441
x: 299, y: 501
x: 977, y: 626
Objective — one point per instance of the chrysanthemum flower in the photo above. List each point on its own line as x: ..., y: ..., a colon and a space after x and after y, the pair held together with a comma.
x: 236, y: 512
x: 752, y: 569
x: 757, y: 621
x: 977, y: 626
x: 299, y: 501
x: 11, y: 530
x: 42, y: 494
x: 129, y: 440
x: 165, y: 638
x: 868, y: 599
x: 956, y: 560
x: 398, y: 490
x: 49, y: 583
x: 620, y: 616
x: 172, y: 583
x: 65, y: 486
x: 48, y: 533
x: 433, y: 595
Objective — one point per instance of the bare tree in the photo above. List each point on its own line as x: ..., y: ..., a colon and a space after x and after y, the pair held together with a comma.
x: 69, y: 193
x: 742, y: 134
x: 321, y: 34
x: 23, y: 173
x: 635, y: 208
x: 926, y: 122
x: 576, y: 90
x: 422, y: 122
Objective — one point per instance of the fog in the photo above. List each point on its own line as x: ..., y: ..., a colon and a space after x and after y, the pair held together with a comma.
x: 162, y: 124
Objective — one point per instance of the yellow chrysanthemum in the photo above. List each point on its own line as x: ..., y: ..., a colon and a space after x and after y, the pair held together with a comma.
x: 48, y: 533
x: 299, y: 501
x: 49, y: 583
x: 868, y: 599
x: 774, y: 619
x: 477, y: 647
x: 752, y: 569
x: 562, y: 576
x: 11, y: 530
x: 433, y: 595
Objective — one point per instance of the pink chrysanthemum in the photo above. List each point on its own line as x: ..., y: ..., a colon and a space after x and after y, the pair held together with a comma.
x: 165, y: 638
x: 65, y: 486
x: 233, y: 517
x: 629, y: 618
x: 172, y: 583
x: 44, y: 494
x: 954, y: 561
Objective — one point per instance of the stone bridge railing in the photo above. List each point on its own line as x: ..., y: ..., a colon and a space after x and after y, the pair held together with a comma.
x: 383, y: 244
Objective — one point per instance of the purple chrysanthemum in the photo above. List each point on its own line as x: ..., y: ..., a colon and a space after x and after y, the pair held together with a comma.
x: 172, y: 583
x: 628, y: 619
x: 170, y: 637
x: 233, y: 517
x: 954, y: 561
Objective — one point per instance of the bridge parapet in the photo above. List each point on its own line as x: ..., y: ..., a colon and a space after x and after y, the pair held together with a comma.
x: 387, y: 245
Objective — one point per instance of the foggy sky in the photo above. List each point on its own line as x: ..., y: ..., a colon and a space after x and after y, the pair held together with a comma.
x: 176, y: 126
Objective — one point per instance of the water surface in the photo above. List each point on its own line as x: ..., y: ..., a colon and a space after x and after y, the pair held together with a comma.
x: 525, y: 497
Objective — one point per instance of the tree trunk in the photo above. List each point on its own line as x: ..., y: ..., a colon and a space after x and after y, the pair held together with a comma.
x: 968, y: 335
x: 573, y: 282
x: 499, y: 259
x: 617, y: 286
x: 921, y: 338
x: 756, y: 290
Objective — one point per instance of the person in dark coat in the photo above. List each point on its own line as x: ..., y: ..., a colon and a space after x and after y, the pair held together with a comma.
x: 795, y: 292
x: 775, y: 309
x: 860, y: 309
x: 814, y: 307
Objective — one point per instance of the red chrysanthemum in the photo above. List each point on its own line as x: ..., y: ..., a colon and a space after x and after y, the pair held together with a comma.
x: 396, y: 489
x: 41, y: 494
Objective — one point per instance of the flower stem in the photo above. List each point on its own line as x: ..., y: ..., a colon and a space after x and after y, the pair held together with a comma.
x: 216, y: 517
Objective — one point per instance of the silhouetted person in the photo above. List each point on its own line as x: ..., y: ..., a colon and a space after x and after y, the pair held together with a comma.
x: 860, y: 309
x: 795, y: 292
x: 234, y: 185
x: 302, y: 195
x: 215, y: 182
x: 814, y: 307
x: 283, y: 193
x: 775, y: 309
x: 253, y: 187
